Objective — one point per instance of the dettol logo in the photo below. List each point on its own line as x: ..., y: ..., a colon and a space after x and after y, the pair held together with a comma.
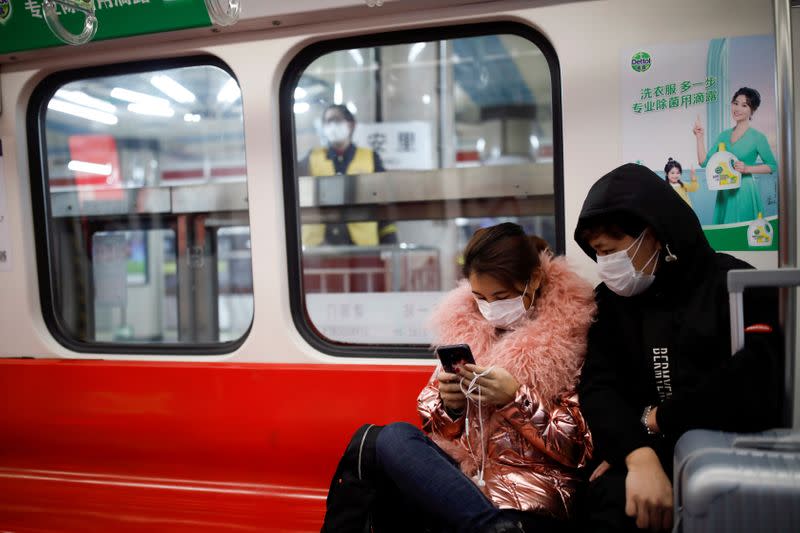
x: 5, y: 11
x: 641, y: 61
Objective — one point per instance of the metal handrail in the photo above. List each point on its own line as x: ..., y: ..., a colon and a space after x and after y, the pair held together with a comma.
x: 787, y: 191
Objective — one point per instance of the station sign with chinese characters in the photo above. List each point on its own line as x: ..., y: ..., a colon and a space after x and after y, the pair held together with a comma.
x: 400, y: 145
x: 374, y: 318
x: 23, y: 26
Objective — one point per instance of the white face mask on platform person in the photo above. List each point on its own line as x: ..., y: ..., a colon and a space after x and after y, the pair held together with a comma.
x: 336, y: 132
x: 618, y: 273
x: 505, y: 313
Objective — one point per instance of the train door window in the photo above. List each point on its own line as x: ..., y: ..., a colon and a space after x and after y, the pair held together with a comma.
x: 139, y: 173
x: 397, y: 148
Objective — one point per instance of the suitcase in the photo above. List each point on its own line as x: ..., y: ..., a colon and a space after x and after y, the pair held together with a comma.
x: 732, y: 482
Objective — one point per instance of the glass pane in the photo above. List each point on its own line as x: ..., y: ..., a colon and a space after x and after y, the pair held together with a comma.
x: 403, y: 151
x: 145, y: 174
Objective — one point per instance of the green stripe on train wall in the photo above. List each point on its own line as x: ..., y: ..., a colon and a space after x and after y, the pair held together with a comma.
x: 22, y: 24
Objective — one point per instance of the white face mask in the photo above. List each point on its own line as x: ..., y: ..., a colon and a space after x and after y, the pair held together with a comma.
x: 618, y: 273
x: 336, y: 132
x: 504, y: 313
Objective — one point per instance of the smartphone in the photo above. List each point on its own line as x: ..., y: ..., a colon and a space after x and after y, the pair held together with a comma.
x: 453, y: 356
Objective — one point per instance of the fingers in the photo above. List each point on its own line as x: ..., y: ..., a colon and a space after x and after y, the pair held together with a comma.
x: 469, y: 370
x: 649, y: 515
x: 631, y: 509
x: 666, y: 520
x: 447, y: 377
x: 601, y: 469
x: 654, y: 517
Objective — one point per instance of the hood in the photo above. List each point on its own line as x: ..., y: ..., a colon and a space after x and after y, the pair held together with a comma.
x: 637, y: 190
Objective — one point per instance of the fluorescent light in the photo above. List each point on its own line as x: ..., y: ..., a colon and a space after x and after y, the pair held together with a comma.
x: 191, y: 117
x: 301, y: 107
x: 357, y: 57
x: 416, y: 48
x: 81, y: 98
x: 152, y: 110
x: 230, y: 92
x: 173, y: 89
x: 138, y: 98
x: 337, y: 93
x: 426, y: 99
x: 90, y: 168
x: 352, y: 107
x: 81, y: 111
x: 299, y: 93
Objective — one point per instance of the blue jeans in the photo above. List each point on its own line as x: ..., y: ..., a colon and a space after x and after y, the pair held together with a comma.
x: 430, y: 480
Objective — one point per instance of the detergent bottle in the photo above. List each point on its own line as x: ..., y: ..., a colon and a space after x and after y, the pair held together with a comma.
x: 759, y: 232
x: 720, y: 174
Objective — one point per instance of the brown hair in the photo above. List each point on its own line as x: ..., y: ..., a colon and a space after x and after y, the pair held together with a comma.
x: 503, y: 252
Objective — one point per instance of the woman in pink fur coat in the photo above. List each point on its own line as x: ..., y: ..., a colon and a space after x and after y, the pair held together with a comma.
x: 504, y: 456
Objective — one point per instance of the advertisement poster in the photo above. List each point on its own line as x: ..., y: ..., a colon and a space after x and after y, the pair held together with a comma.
x: 5, y: 238
x: 704, y: 113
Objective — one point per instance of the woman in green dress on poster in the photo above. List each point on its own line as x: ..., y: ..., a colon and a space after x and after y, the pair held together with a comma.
x: 747, y: 144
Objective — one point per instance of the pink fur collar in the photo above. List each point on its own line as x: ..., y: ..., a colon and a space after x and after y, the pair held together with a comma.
x: 547, y: 350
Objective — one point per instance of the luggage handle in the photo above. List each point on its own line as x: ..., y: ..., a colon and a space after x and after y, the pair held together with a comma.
x: 779, y: 440
x: 739, y: 280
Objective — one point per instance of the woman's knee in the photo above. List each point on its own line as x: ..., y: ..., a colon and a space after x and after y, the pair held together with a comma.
x: 394, y: 435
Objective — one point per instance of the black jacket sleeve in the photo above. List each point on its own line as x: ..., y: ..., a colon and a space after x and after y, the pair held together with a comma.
x: 614, y: 422
x: 744, y: 394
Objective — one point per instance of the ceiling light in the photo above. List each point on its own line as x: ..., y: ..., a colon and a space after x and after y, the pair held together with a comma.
x: 138, y: 98
x: 173, y: 89
x: 81, y: 111
x: 90, y: 168
x: 81, y: 98
x: 337, y: 93
x: 416, y: 48
x: 230, y: 92
x: 152, y: 110
x: 357, y: 57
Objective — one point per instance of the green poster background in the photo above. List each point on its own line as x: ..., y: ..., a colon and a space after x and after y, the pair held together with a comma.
x: 21, y: 30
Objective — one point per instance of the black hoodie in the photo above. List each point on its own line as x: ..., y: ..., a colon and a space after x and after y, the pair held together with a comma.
x: 670, y: 345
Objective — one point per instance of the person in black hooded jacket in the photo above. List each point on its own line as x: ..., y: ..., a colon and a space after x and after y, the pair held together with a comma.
x: 659, y: 360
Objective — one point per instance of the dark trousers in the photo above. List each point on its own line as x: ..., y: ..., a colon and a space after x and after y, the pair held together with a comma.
x: 603, y: 505
x: 432, y: 492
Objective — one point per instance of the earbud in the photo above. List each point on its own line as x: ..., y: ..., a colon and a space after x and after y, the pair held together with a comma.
x: 670, y: 256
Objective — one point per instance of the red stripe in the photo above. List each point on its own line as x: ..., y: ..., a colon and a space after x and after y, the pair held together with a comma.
x: 182, y: 174
x: 228, y: 171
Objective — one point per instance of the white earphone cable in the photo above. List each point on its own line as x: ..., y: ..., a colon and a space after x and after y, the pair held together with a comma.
x: 472, y: 387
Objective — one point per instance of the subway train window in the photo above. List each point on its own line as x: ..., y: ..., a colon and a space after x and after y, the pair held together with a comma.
x: 401, y: 151
x: 142, y: 183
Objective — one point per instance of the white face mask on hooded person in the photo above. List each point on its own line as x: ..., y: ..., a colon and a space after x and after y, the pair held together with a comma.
x: 618, y: 273
x: 505, y: 313
x: 336, y: 132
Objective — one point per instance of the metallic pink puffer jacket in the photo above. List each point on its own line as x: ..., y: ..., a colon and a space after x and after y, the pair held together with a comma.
x: 535, y: 444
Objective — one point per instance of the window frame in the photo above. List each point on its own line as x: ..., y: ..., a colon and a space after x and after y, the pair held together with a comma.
x: 41, y: 209
x: 291, y: 77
